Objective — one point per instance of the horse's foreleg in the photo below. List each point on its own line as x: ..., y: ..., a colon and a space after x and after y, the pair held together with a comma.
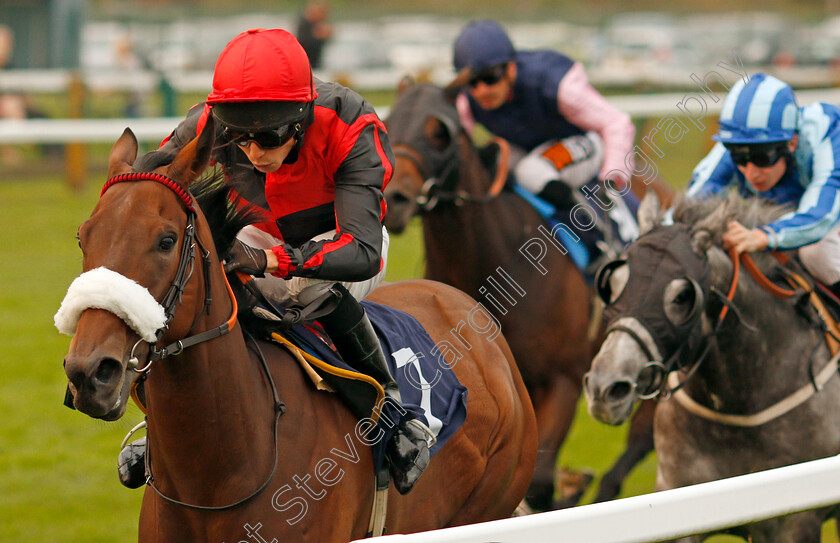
x: 639, y: 444
x: 555, y: 407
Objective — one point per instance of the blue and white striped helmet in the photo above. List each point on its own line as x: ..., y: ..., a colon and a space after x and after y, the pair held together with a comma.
x: 762, y: 111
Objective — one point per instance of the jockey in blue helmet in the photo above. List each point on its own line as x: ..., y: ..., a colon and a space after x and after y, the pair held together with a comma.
x: 565, y: 137
x: 771, y: 148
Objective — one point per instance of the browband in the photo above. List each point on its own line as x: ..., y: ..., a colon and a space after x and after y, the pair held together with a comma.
x: 185, y: 196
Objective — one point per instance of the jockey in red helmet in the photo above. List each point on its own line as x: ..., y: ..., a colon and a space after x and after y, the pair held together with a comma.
x: 315, y: 157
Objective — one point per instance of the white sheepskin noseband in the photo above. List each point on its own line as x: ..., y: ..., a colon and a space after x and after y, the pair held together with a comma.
x: 102, y: 288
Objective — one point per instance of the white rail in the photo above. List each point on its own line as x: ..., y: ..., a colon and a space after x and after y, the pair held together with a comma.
x: 157, y: 128
x: 662, y: 515
x: 200, y: 81
x: 84, y: 130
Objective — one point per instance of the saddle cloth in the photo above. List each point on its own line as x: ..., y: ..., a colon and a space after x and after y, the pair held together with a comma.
x: 620, y: 220
x: 430, y: 391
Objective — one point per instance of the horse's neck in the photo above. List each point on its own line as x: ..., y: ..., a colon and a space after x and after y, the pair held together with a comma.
x: 451, y: 231
x: 773, y: 356
x: 210, y: 405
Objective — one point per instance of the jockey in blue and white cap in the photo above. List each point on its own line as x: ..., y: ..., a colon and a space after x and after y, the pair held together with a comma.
x: 771, y: 148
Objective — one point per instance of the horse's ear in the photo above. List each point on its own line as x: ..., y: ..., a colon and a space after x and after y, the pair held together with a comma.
x: 648, y: 212
x: 406, y: 82
x: 123, y: 154
x: 701, y: 241
x: 194, y: 157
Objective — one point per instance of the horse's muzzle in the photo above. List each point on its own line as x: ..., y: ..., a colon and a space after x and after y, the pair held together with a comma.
x: 96, y: 388
x: 609, y: 401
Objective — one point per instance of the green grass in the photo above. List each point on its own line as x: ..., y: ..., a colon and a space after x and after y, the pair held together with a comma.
x: 57, y: 467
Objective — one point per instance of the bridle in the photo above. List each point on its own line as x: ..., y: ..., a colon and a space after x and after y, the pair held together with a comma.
x: 436, y: 188
x: 664, y: 368
x: 170, y: 301
x: 441, y: 187
x: 183, y: 275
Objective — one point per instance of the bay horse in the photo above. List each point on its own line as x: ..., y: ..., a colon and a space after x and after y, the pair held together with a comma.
x: 497, y: 248
x: 740, y: 362
x: 241, y: 445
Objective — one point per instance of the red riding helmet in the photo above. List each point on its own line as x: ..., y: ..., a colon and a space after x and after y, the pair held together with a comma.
x: 262, y: 81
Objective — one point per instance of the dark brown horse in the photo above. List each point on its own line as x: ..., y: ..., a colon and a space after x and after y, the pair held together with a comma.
x: 240, y: 442
x: 500, y: 251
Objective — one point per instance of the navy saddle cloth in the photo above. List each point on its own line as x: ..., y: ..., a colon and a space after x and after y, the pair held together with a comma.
x: 430, y: 391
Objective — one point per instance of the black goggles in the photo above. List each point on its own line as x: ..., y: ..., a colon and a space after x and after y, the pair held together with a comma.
x: 267, y: 139
x: 489, y: 76
x: 762, y: 155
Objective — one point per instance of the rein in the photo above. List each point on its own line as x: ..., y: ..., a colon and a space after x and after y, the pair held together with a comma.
x: 790, y: 402
x: 441, y: 188
x: 183, y: 275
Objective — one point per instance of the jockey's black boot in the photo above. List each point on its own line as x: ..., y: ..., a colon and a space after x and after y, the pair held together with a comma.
x: 559, y: 194
x: 835, y: 289
x: 352, y: 333
x: 131, y: 464
x: 597, y: 240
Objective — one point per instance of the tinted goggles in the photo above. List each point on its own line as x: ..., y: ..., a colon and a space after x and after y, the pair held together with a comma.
x: 488, y: 76
x: 762, y: 156
x: 267, y: 139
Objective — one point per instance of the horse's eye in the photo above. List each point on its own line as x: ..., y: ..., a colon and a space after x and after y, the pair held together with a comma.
x: 438, y: 134
x: 78, y: 240
x: 166, y: 243
x: 683, y: 299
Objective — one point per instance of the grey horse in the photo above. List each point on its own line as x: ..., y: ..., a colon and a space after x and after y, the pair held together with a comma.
x: 725, y: 385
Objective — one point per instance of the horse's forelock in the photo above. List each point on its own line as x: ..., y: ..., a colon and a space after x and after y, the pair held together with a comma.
x: 711, y: 216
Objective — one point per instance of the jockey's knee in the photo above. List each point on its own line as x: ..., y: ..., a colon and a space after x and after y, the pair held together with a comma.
x: 822, y: 260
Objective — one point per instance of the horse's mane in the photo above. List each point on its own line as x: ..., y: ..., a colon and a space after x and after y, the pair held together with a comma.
x: 708, y: 219
x: 714, y: 213
x: 226, y: 215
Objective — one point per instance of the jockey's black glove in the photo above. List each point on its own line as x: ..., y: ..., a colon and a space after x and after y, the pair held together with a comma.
x: 246, y: 259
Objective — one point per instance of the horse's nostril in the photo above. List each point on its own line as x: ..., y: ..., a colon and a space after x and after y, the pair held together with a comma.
x: 619, y: 391
x: 77, y: 378
x: 109, y: 369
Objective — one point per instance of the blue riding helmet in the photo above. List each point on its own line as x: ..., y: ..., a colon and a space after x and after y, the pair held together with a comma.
x: 761, y: 111
x: 481, y: 45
